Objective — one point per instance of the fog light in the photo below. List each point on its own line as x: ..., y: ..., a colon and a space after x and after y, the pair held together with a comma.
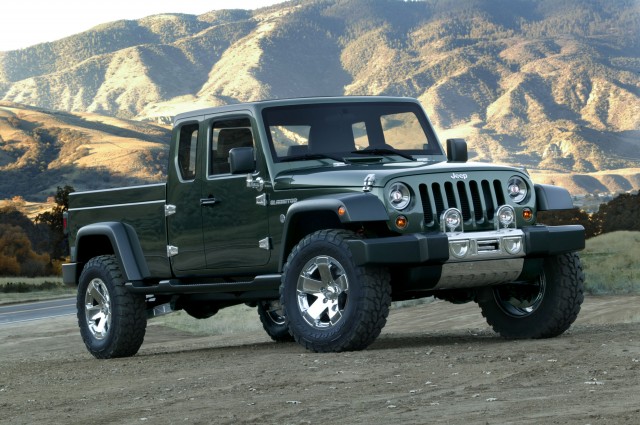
x: 459, y: 249
x: 512, y: 245
x: 402, y: 222
x: 505, y: 216
x: 450, y: 220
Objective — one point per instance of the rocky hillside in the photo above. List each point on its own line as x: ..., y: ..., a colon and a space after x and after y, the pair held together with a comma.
x: 550, y: 84
x: 40, y: 150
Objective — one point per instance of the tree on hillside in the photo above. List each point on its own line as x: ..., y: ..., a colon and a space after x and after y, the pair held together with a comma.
x: 620, y: 213
x: 573, y: 216
x: 9, y: 214
x: 16, y: 254
x: 57, y: 245
x: 14, y: 121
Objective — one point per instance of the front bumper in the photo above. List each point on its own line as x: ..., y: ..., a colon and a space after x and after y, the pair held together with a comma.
x: 437, y: 248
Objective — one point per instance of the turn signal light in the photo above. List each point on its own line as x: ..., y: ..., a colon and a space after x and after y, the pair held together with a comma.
x: 402, y: 222
x: 527, y: 214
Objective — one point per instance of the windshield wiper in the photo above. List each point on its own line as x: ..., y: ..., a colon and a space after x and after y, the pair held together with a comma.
x: 311, y: 156
x: 384, y: 151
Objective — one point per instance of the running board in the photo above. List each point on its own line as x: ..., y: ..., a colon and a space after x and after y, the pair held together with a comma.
x: 270, y: 282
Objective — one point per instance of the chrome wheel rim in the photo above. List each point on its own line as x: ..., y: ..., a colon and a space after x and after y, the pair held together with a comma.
x: 521, y: 306
x: 97, y: 307
x: 274, y: 312
x: 322, y: 292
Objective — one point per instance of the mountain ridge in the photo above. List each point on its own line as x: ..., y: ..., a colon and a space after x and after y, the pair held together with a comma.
x: 550, y: 84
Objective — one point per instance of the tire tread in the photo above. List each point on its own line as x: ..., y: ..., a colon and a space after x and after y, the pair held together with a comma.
x: 375, y: 302
x: 569, y: 279
x: 129, y: 317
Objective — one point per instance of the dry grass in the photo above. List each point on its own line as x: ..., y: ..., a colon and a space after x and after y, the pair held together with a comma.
x: 26, y: 289
x: 236, y: 319
x: 611, y: 264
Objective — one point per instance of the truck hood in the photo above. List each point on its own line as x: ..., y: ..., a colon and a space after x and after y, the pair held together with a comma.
x: 354, y: 175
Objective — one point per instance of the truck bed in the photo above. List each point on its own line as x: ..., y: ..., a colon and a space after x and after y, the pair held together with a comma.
x: 140, y: 207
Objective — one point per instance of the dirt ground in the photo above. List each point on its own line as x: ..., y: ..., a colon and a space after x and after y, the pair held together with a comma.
x: 437, y: 363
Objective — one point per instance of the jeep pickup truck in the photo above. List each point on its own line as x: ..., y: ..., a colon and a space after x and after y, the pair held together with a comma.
x: 320, y: 212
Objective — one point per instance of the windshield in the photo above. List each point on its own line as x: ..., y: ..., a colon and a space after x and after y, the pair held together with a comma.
x: 344, y: 131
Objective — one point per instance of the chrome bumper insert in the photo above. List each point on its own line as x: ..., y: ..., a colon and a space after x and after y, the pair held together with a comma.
x: 478, y: 246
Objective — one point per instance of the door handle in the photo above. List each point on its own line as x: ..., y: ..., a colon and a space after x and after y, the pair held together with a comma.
x: 208, y: 202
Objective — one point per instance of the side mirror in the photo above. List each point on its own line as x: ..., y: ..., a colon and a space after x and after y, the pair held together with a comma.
x: 241, y: 160
x: 457, y: 150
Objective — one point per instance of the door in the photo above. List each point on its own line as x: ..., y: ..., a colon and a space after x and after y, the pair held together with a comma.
x: 234, y: 224
x: 184, y: 187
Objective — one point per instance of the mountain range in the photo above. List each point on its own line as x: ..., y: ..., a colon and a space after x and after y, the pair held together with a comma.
x: 553, y: 85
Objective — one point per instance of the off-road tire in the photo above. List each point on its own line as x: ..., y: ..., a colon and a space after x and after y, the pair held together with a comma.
x: 273, y: 321
x: 112, y: 320
x: 559, y: 297
x: 359, y: 297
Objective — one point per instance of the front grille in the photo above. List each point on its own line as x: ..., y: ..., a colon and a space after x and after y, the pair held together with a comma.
x: 477, y: 200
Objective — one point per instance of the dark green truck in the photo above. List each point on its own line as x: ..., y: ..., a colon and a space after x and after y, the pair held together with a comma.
x: 320, y: 212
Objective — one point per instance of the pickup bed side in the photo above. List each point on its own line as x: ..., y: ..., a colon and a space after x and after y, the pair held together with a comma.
x: 128, y: 223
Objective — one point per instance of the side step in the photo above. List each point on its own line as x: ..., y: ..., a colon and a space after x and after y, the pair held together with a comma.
x: 269, y: 282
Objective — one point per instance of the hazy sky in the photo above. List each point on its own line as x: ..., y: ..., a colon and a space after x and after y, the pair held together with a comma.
x: 24, y: 23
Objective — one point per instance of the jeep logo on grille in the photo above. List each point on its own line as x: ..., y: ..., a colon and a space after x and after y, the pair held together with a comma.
x: 457, y: 176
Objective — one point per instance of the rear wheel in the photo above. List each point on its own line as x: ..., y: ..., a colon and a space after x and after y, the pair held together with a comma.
x: 330, y: 304
x: 112, y: 320
x: 273, y: 320
x: 543, y: 308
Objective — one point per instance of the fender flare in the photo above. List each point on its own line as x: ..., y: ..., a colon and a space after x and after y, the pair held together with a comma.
x: 358, y: 207
x: 125, y: 245
x: 550, y: 198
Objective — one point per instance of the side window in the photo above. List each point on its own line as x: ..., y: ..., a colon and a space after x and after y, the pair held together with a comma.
x: 290, y: 140
x: 403, y: 131
x: 226, y: 135
x: 359, y: 130
x: 187, y: 148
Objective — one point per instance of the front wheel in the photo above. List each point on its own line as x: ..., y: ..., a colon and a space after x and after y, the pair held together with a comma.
x: 331, y: 304
x: 112, y: 320
x: 544, y: 308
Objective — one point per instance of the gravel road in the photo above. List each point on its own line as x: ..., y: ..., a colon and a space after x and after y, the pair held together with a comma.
x: 436, y: 363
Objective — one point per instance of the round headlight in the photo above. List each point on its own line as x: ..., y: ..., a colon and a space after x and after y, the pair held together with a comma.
x: 517, y: 189
x: 399, y: 196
